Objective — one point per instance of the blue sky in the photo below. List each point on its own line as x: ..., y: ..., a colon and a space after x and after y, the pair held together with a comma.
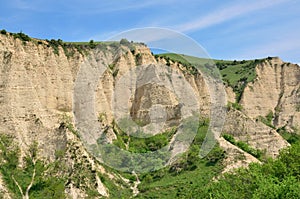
x: 226, y: 29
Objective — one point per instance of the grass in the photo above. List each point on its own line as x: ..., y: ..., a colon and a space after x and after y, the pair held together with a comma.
x: 46, y: 181
x: 178, y: 186
x: 187, y: 174
x: 115, y: 191
x: 291, y: 138
x: 244, y: 146
x: 237, y: 74
x: 179, y: 180
x: 267, y: 120
x: 144, y: 145
x: 279, y: 178
x: 234, y: 105
x: 69, y: 47
x: 174, y: 57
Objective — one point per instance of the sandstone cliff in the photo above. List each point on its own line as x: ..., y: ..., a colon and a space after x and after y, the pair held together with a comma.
x: 277, y: 89
x: 37, y: 88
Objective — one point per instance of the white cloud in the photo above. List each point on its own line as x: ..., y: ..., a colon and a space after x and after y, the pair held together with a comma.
x: 287, y: 48
x: 225, y: 14
x: 92, y: 7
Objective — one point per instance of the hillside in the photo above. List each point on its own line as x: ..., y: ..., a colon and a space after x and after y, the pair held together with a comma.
x: 48, y: 149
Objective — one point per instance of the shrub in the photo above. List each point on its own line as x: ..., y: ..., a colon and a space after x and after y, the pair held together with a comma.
x: 22, y: 36
x: 3, y: 32
x: 298, y: 107
x: 244, y: 146
x: 216, y: 155
x: 124, y: 42
x: 267, y: 120
x: 229, y: 138
x: 60, y: 42
x: 92, y: 44
x: 235, y: 105
x: 18, y: 177
x: 54, y: 44
x: 138, y: 58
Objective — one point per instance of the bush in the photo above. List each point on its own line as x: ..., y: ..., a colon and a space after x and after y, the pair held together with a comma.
x: 229, y: 138
x: 44, y: 186
x: 216, y: 155
x: 278, y: 178
x: 124, y: 42
x: 235, y: 105
x: 244, y: 146
x: 22, y: 36
x: 3, y: 32
x: 92, y: 44
x: 291, y: 138
x: 267, y: 120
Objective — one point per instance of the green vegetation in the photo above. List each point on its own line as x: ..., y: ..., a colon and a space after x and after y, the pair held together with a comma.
x: 38, y: 178
x: 191, y: 177
x: 3, y: 32
x: 92, y: 44
x: 244, y: 146
x: 174, y: 57
x: 138, y: 57
x: 124, y: 42
x: 267, y: 120
x: 35, y: 178
x: 185, y: 176
x: 297, y: 107
x: 116, y: 192
x: 69, y: 48
x: 188, y: 177
x: 143, y: 145
x: 113, y: 70
x: 291, y: 138
x: 21, y: 36
x: 279, y: 178
x: 181, y: 59
x: 55, y: 45
x: 234, y: 105
x: 67, y: 123
x: 237, y: 74
x: 82, y: 174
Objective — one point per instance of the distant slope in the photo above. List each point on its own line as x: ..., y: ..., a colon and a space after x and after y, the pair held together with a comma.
x: 235, y: 73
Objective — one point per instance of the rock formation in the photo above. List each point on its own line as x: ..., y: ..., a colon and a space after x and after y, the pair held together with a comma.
x: 37, y: 88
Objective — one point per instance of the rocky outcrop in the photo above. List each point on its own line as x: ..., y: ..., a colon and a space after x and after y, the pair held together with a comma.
x: 254, y: 132
x: 37, y: 94
x: 277, y: 89
x: 39, y: 89
x: 235, y: 157
x: 36, y: 88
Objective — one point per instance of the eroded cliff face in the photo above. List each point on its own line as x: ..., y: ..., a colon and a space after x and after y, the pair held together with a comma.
x: 276, y: 89
x: 36, y: 93
x: 254, y: 132
x: 36, y: 87
x: 37, y: 96
x: 37, y: 102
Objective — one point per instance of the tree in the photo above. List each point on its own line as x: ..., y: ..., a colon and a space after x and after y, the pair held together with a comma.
x: 29, y: 181
x: 3, y: 32
x: 92, y: 44
x: 124, y: 42
x: 31, y: 160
